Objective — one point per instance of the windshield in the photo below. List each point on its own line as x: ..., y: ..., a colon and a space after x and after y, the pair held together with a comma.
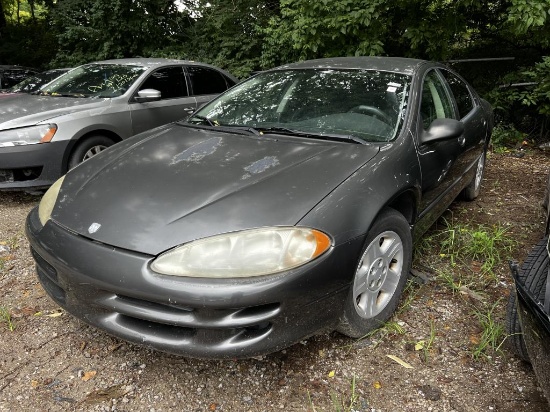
x: 33, y: 83
x: 95, y: 80
x: 364, y: 104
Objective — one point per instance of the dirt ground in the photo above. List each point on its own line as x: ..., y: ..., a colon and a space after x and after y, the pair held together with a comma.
x: 50, y: 361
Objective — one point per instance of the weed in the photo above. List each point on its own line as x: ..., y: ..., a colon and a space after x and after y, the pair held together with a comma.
x: 450, y: 280
x: 5, y: 317
x: 492, y: 336
x: 409, y: 295
x: 342, y: 404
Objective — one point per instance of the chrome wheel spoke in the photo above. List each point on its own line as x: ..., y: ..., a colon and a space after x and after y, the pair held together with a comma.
x: 378, y: 274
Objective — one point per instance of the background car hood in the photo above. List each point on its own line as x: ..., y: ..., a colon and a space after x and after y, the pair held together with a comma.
x: 176, y: 184
x: 20, y: 110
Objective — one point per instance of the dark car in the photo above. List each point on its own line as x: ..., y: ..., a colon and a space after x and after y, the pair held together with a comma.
x: 10, y: 75
x: 286, y: 206
x: 33, y: 83
x: 92, y: 107
x: 528, y: 310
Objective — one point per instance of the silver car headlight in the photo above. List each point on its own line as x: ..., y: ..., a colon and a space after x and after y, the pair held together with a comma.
x: 48, y: 201
x: 248, y: 253
x: 27, y: 135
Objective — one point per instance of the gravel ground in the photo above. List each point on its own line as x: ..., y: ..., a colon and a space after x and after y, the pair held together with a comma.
x: 50, y: 361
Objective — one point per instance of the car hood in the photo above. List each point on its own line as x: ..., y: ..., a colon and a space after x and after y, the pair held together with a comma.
x: 18, y: 110
x: 177, y: 184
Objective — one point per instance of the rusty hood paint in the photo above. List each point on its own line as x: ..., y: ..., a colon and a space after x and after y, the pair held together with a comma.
x: 178, y: 183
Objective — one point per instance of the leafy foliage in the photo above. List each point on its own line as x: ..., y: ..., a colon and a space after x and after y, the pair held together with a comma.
x: 106, y: 29
x: 248, y: 35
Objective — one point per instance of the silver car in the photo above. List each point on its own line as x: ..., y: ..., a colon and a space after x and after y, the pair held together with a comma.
x: 92, y: 107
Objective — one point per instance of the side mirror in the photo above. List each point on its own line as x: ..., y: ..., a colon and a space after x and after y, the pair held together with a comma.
x: 147, y: 95
x: 442, y: 129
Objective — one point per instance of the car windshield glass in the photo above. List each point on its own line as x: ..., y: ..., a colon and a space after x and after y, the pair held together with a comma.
x: 95, y: 80
x: 33, y: 83
x: 364, y: 104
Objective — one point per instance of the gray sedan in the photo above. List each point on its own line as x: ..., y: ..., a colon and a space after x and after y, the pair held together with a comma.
x: 286, y: 206
x: 92, y: 107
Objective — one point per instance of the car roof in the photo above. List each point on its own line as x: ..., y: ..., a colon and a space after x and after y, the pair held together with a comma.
x: 146, y: 62
x: 393, y: 64
x: 151, y: 63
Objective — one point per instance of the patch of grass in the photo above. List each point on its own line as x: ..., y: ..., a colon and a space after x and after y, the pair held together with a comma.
x: 492, y: 335
x: 480, y: 248
x: 5, y: 317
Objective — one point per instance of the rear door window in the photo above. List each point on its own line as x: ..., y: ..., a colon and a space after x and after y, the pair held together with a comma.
x: 461, y: 93
x: 205, y: 80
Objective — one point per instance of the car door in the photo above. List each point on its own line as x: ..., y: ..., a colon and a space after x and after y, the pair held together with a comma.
x: 472, y: 115
x: 175, y: 100
x: 206, y: 83
x: 442, y: 162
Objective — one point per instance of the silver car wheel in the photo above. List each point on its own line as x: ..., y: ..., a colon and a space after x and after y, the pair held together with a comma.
x: 479, y: 172
x: 378, y: 274
x: 93, y: 151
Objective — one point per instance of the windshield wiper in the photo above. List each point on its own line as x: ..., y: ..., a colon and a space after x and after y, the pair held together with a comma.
x: 204, y: 119
x: 55, y: 94
x: 225, y: 126
x: 291, y: 132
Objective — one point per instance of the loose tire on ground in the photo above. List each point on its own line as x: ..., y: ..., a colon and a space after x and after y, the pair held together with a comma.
x: 380, y: 276
x: 533, y: 275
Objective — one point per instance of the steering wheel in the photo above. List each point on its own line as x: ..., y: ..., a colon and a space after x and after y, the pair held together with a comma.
x: 372, y: 111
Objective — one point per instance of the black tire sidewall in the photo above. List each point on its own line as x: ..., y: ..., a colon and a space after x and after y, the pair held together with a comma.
x: 471, y: 192
x: 83, y: 146
x: 533, y: 274
x: 353, y: 325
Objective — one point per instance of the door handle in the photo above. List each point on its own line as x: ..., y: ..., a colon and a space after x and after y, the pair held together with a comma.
x: 461, y: 140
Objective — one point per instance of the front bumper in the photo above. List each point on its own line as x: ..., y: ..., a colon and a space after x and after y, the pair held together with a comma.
x: 114, y: 290
x: 32, y: 166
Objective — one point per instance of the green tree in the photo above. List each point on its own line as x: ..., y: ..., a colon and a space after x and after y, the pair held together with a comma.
x: 26, y: 36
x: 105, y: 29
x: 230, y: 34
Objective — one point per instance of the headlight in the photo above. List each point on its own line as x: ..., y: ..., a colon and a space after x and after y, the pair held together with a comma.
x: 242, y: 254
x: 27, y: 135
x: 48, y: 201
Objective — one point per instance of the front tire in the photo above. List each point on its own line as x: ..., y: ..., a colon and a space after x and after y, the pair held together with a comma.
x: 380, y: 276
x: 88, y: 148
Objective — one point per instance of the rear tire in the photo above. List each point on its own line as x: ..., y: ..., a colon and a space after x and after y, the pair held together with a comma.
x: 473, y: 189
x: 380, y: 277
x: 88, y: 148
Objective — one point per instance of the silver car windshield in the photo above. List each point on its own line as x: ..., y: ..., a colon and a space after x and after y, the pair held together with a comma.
x: 95, y: 80
x: 364, y: 104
